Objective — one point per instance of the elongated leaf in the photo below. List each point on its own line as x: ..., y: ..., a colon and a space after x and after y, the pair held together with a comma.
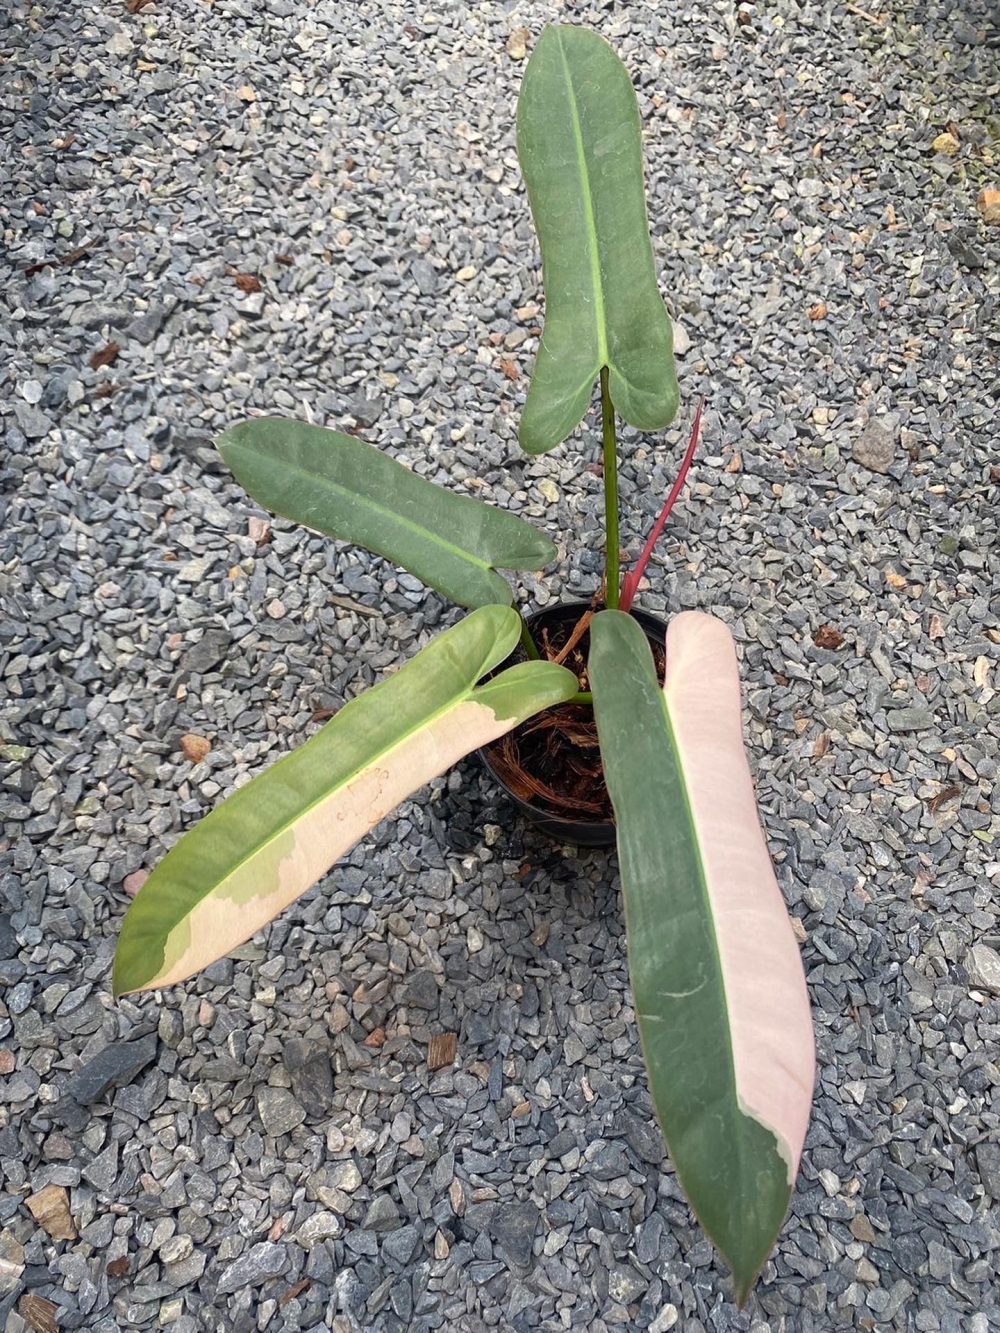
x: 579, y: 142
x: 261, y: 849
x: 719, y: 989
x: 351, y: 490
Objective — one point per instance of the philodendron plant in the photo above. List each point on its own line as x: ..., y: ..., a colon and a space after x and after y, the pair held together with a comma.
x: 720, y: 996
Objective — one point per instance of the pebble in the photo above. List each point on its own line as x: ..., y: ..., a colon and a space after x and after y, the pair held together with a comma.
x: 513, y: 1227
x: 280, y: 1113
x: 988, y: 1163
x: 113, y: 1067
x: 8, y: 939
x: 665, y: 1320
x: 422, y: 991
x: 310, y: 1068
x: 625, y: 1285
x: 176, y: 1248
x: 382, y: 1215
x: 875, y: 448
x: 319, y: 1227
x: 11, y: 1262
x: 983, y: 966
x: 345, y: 1176
x: 261, y: 1262
x: 186, y: 1272
x: 401, y: 1246
x: 909, y: 719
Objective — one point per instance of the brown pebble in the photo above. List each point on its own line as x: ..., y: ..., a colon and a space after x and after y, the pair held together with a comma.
x: 134, y: 882
x: 50, y: 1209
x: 195, y: 747
x: 988, y: 204
x: 441, y: 1050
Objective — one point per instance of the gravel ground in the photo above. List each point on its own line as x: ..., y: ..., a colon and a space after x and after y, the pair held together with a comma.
x: 266, y: 1147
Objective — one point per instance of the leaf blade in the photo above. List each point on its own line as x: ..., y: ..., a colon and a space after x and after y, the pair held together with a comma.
x: 350, y: 490
x: 698, y: 886
x: 579, y: 143
x: 272, y: 839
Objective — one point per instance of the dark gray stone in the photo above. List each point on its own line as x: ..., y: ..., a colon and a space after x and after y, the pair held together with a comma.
x: 210, y: 650
x: 988, y: 1164
x: 402, y: 1245
x: 513, y: 1227
x: 642, y: 1136
x: 608, y: 1162
x: 8, y: 940
x: 382, y: 1215
x: 310, y: 1069
x: 422, y: 990
x: 115, y: 1066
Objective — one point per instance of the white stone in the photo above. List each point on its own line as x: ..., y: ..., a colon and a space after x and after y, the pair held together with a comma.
x: 983, y: 966
x: 665, y: 1320
x: 321, y: 1226
x: 120, y: 44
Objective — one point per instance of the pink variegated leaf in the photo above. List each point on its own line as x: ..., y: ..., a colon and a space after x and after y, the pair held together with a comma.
x: 719, y: 989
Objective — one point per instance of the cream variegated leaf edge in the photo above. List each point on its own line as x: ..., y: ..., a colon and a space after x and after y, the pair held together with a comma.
x: 719, y: 988
x: 274, y: 838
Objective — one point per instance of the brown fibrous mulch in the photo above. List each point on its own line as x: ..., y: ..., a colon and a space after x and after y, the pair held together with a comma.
x: 554, y: 759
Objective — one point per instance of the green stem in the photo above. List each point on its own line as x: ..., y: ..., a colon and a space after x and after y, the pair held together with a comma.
x: 582, y: 697
x: 527, y: 642
x: 612, y: 573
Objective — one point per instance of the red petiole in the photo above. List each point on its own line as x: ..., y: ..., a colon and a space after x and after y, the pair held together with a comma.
x: 632, y: 580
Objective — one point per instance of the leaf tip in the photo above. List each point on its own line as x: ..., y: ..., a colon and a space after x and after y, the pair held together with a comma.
x: 119, y: 986
x: 744, y: 1286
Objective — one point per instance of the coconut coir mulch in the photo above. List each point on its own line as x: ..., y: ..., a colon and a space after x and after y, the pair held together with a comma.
x: 554, y: 759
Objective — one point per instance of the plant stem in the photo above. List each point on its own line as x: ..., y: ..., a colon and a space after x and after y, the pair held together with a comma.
x: 630, y: 584
x: 527, y: 642
x: 612, y: 575
x: 582, y: 697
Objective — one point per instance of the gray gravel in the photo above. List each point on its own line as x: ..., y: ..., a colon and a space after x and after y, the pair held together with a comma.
x: 266, y: 1148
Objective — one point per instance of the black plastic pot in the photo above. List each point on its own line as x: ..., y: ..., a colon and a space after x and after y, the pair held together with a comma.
x: 581, y: 832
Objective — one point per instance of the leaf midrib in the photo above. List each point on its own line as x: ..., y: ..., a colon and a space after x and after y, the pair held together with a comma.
x: 604, y: 354
x: 588, y: 197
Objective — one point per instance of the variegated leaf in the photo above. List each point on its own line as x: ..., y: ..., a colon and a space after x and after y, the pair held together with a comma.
x: 274, y: 838
x: 719, y: 989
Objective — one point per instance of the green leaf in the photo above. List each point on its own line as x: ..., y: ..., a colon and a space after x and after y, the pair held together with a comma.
x: 719, y: 990
x: 352, y: 491
x: 579, y: 142
x: 272, y: 839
